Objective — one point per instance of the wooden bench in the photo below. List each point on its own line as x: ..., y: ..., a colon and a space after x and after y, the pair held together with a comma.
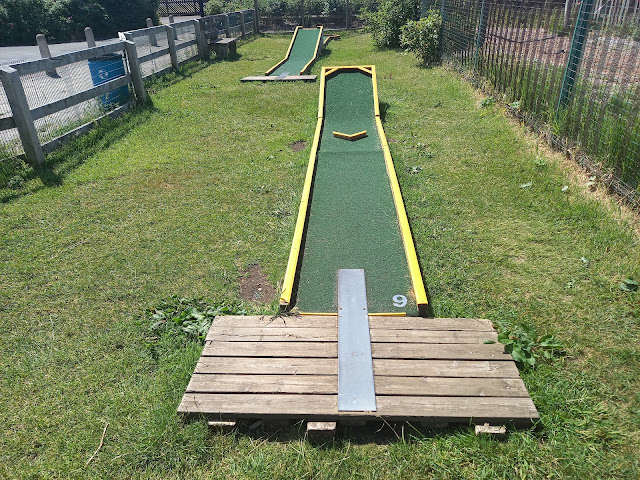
x: 224, y: 47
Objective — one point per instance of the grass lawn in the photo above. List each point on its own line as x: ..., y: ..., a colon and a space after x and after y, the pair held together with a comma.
x: 181, y: 197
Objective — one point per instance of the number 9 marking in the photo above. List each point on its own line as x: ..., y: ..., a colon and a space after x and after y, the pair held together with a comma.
x: 399, y: 300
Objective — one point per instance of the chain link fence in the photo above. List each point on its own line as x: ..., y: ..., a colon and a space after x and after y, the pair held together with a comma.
x: 569, y: 69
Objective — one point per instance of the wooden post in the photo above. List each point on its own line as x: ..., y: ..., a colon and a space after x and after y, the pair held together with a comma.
x: 302, y: 13
x: 175, y: 30
x: 22, y: 115
x: 173, y: 53
x: 135, y: 71
x: 201, y: 39
x: 242, y: 30
x: 44, y: 52
x: 152, y: 36
x: 256, y: 17
x: 227, y: 28
x: 91, y: 40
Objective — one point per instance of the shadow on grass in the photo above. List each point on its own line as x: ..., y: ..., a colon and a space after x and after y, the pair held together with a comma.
x: 379, y: 433
x: 65, y: 160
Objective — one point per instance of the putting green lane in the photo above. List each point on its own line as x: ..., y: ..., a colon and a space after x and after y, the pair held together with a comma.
x: 301, y: 53
x: 352, y: 220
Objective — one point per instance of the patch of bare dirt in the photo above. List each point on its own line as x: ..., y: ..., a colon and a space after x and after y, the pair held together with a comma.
x: 254, y: 285
x: 298, y: 146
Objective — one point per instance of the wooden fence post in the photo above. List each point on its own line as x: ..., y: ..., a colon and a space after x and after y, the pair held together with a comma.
x: 256, y: 18
x: 227, y: 28
x: 91, y: 40
x: 152, y: 36
x: 173, y: 53
x: 43, y: 46
x: 22, y: 115
x: 175, y: 30
x: 201, y: 39
x: 242, y: 29
x: 135, y: 71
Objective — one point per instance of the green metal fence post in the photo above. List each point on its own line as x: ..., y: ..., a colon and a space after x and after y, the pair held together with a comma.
x: 482, y: 32
x: 578, y: 41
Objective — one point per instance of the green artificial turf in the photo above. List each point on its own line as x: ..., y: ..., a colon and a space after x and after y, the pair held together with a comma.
x: 303, y: 50
x: 352, y: 221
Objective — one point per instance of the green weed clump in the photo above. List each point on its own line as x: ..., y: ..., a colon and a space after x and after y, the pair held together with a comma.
x: 526, y: 347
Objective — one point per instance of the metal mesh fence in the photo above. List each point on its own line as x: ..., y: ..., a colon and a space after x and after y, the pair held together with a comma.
x: 288, y: 23
x: 10, y: 144
x: 46, y: 87
x: 571, y: 69
x: 185, y: 32
x: 152, y: 47
x: 42, y: 88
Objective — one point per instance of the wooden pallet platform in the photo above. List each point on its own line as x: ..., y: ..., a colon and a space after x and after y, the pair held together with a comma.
x: 427, y: 370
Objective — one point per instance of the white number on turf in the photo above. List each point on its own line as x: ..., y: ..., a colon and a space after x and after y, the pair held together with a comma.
x: 399, y: 300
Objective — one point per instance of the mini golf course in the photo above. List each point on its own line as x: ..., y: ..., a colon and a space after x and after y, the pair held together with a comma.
x: 356, y: 218
x: 304, y: 49
x: 357, y: 352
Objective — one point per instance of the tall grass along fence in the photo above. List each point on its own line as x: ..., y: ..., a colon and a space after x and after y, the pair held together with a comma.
x: 568, y: 68
x: 44, y: 103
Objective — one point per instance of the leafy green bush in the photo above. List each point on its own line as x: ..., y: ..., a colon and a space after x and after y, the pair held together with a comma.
x: 422, y: 37
x: 385, y: 23
x: 213, y: 7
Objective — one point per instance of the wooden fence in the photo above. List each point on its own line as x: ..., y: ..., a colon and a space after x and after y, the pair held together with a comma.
x: 144, y: 52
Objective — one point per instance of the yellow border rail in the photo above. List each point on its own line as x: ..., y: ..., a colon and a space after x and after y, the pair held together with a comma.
x: 293, y: 39
x: 405, y: 229
x: 315, y: 54
x: 286, y: 57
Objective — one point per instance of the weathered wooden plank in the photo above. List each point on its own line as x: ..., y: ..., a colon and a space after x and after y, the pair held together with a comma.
x: 420, y: 323
x: 62, y: 60
x: 450, y: 387
x: 72, y: 100
x: 431, y: 336
x: 459, y: 408
x: 144, y: 32
x: 330, y: 321
x: 489, y: 409
x: 7, y: 123
x: 288, y: 78
x: 446, y: 368
x: 320, y: 384
x: 327, y: 385
x: 252, y: 334
x: 290, y: 366
x: 271, y: 334
x: 153, y: 55
x: 57, y: 142
x: 279, y: 321
x: 329, y: 366
x: 380, y: 350
x: 183, y: 45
